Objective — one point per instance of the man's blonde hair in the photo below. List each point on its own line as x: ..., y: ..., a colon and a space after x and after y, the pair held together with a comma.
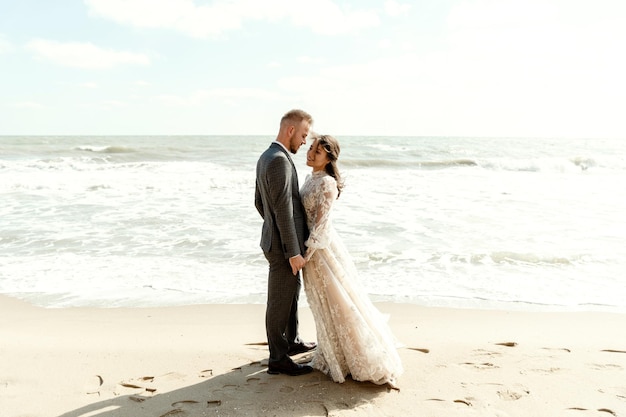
x: 296, y: 116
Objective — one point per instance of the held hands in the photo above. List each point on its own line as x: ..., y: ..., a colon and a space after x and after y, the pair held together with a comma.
x: 297, y: 263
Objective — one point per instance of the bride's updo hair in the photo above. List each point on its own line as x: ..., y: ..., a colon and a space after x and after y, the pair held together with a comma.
x: 331, y: 146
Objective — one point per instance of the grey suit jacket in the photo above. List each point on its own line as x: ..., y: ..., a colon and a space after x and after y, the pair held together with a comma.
x: 277, y: 199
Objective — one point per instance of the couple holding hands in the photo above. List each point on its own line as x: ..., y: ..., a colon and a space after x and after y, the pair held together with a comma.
x: 353, y: 336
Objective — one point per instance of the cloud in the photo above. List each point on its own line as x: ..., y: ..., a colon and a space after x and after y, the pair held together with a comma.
x: 199, y: 97
x: 5, y: 46
x: 84, y: 54
x: 214, y: 19
x: 549, y: 49
x: 325, y: 17
x: 308, y: 60
x: 394, y: 9
x: 113, y: 104
x: 28, y: 105
x: 88, y: 84
x: 442, y: 95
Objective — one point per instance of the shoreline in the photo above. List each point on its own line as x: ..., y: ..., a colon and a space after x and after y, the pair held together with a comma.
x: 211, y: 359
x: 456, y: 303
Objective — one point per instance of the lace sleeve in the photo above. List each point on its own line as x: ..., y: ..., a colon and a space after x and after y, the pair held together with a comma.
x: 325, y: 194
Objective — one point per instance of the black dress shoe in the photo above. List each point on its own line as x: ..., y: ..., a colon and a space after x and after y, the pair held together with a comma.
x: 288, y: 367
x: 301, y: 348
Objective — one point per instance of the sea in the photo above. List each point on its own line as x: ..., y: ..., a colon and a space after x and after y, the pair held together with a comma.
x: 533, y: 224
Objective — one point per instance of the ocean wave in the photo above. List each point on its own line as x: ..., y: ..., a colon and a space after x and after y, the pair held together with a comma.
x: 442, y: 218
x: 575, y: 164
x: 382, y: 163
x: 548, y: 164
x: 374, y: 163
x: 583, y: 163
x: 105, y: 149
x: 507, y: 257
x: 449, y: 163
x: 531, y: 258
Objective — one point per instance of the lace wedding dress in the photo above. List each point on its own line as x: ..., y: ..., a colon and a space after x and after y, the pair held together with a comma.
x: 353, y: 336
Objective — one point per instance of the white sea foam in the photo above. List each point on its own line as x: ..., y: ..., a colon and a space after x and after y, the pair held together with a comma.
x: 140, y: 221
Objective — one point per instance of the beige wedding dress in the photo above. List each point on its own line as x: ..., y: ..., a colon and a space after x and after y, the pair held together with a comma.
x: 353, y: 336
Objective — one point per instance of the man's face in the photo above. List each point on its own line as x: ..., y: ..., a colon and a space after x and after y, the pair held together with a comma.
x: 301, y: 131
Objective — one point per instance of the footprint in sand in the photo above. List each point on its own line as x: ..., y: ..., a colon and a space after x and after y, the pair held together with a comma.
x: 256, y: 384
x: 184, y: 403
x: 185, y: 408
x: 483, y: 352
x: 146, y: 385
x: 484, y: 365
x: 618, y: 392
x: 466, y: 401
x: 227, y: 390
x: 548, y: 371
x: 142, y: 383
x: 137, y: 398
x: 507, y: 344
x: 508, y: 395
x: 605, y: 367
x: 601, y: 410
x: 311, y: 384
x: 335, y: 409
x: 94, y: 384
x: 563, y: 349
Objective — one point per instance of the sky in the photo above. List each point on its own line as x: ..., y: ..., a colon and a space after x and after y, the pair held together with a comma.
x: 514, y: 68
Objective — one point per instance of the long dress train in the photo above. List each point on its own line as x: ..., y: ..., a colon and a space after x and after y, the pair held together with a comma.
x: 353, y: 336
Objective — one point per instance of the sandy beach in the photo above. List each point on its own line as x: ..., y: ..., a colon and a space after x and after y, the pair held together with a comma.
x: 210, y: 360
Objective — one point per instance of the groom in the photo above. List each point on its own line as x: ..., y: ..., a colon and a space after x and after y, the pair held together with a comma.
x: 277, y: 199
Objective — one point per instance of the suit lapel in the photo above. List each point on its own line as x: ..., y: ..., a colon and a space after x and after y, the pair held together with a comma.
x: 283, y: 150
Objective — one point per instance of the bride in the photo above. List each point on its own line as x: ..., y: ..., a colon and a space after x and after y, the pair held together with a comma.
x: 353, y: 336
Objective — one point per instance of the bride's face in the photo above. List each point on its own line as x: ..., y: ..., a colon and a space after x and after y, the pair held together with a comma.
x: 316, y: 157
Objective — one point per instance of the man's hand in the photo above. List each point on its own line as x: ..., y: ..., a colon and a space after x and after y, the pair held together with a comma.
x: 296, y: 262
